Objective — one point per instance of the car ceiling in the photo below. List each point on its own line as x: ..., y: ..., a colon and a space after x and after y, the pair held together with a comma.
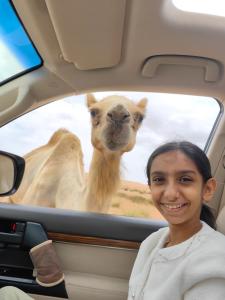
x: 103, y: 44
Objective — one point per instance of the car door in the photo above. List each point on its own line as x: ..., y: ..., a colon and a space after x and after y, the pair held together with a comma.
x: 96, y: 251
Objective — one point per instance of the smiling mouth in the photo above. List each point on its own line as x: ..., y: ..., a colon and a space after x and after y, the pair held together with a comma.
x: 174, y: 207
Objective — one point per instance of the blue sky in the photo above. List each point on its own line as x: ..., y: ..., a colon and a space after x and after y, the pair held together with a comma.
x: 17, y: 52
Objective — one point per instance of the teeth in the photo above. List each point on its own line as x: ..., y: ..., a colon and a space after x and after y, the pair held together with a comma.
x: 170, y: 206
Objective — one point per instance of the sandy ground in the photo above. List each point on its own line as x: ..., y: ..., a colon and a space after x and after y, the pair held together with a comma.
x: 134, y: 200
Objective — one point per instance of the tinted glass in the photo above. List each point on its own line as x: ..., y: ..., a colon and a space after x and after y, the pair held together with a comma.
x: 17, y: 53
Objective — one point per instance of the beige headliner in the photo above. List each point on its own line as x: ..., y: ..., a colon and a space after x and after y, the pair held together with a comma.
x: 149, y: 28
x: 96, y: 45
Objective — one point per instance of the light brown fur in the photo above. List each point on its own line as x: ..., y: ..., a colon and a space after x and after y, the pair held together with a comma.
x: 54, y: 174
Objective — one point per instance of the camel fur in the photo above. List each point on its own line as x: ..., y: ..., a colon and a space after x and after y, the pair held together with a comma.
x: 54, y: 174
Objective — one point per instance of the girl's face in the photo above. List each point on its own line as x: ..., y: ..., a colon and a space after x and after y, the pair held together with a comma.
x: 178, y: 189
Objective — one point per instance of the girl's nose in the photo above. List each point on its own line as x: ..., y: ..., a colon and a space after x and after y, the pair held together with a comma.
x: 171, y: 192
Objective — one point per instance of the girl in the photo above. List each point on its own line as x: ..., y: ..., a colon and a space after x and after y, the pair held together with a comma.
x: 185, y: 260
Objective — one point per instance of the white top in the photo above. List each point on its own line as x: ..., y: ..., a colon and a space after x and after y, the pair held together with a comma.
x: 192, y: 270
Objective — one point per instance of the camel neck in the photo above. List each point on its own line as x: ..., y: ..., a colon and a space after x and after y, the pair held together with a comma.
x: 103, y: 180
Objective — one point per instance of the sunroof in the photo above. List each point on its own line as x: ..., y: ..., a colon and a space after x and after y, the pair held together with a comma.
x: 210, y: 7
x: 17, y: 52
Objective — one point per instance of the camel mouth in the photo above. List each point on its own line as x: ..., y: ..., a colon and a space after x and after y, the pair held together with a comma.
x: 114, y: 146
x: 116, y: 137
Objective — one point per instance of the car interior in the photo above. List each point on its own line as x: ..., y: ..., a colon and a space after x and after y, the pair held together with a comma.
x: 83, y: 47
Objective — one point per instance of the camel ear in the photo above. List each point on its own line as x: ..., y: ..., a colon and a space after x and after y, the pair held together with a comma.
x: 90, y: 100
x: 142, y: 104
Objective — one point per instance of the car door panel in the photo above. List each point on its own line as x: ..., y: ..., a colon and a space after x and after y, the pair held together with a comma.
x: 41, y: 297
x: 96, y: 251
x: 100, y: 271
x: 16, y: 268
x: 83, y: 223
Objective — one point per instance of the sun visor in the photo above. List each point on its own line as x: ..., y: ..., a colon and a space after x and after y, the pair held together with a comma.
x: 89, y: 32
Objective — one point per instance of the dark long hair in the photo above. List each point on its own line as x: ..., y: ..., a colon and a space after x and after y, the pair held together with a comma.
x: 202, y: 163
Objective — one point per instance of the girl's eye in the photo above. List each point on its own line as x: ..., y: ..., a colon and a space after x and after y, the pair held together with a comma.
x: 185, y: 179
x: 157, y: 180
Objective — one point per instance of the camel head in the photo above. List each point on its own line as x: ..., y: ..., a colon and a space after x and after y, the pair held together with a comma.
x: 115, y: 121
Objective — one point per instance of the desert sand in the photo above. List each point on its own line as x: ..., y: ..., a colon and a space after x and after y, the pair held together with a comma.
x: 134, y: 200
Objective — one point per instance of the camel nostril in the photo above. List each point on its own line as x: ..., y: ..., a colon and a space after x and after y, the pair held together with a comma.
x: 110, y: 115
x: 118, y: 116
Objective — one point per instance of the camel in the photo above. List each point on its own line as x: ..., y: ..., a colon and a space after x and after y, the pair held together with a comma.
x: 54, y: 174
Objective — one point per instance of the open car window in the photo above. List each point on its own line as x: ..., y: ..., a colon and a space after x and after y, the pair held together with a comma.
x: 167, y: 117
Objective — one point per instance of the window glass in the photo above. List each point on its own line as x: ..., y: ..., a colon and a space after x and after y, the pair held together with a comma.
x: 17, y: 53
x: 209, y: 7
x: 168, y: 117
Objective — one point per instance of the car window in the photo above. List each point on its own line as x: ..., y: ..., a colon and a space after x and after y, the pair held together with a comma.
x: 215, y: 7
x: 167, y: 117
x: 17, y: 53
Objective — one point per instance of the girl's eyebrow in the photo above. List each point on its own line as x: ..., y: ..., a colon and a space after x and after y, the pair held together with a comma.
x: 179, y: 172
x: 158, y: 173
x: 187, y: 171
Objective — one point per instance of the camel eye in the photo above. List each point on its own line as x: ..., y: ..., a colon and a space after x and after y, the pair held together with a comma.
x: 138, y: 117
x: 93, y: 112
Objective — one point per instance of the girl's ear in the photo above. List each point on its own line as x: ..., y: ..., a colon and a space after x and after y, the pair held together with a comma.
x: 209, y: 189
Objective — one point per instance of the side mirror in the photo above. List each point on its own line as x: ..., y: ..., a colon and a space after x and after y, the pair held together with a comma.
x: 11, y: 172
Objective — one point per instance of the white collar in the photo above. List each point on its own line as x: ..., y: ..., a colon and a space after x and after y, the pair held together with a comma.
x: 183, y: 248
